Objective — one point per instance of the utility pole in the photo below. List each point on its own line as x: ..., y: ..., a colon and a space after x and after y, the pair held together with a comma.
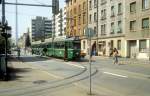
x: 17, y: 28
x: 97, y: 26
x: 3, y: 12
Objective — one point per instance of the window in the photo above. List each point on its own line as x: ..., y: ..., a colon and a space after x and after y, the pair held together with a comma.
x: 145, y: 4
x: 90, y: 4
x: 83, y: 44
x: 112, y: 28
x: 75, y: 11
x: 103, y: 2
x: 145, y: 23
x: 103, y: 14
x: 95, y: 30
x: 133, y: 7
x: 112, y: 11
x: 103, y: 29
x: 119, y: 8
x: 95, y: 17
x: 74, y: 21
x: 119, y: 27
x: 119, y: 44
x: 133, y: 25
x: 95, y: 3
x: 79, y: 19
x: 142, y: 45
x: 90, y: 18
x: 79, y: 9
x: 84, y: 18
x: 84, y: 7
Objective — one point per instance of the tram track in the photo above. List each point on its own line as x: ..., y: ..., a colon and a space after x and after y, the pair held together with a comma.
x: 37, y: 89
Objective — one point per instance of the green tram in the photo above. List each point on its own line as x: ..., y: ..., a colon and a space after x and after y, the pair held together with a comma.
x: 67, y: 49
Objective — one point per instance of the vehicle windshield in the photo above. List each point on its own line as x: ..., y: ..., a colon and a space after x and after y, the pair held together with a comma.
x: 76, y: 45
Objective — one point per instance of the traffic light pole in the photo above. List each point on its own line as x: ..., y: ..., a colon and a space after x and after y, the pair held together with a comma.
x: 3, y: 12
x: 6, y: 39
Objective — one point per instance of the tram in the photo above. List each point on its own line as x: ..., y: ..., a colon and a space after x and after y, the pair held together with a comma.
x: 67, y: 49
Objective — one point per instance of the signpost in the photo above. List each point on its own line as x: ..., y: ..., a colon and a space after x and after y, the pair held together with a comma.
x: 89, y: 33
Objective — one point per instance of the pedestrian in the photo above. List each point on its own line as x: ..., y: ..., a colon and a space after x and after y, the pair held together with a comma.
x: 115, y: 55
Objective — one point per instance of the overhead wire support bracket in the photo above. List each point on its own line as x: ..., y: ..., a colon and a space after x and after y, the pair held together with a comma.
x: 23, y: 4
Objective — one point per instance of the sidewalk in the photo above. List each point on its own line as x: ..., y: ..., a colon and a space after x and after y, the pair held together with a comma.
x: 122, y: 60
x: 22, y: 74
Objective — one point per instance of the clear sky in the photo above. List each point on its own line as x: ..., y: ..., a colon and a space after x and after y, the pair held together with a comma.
x: 26, y: 13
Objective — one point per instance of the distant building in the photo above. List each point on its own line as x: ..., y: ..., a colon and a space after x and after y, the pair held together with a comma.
x: 41, y: 28
x: 59, y: 26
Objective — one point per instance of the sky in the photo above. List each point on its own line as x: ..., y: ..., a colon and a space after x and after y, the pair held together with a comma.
x: 26, y: 13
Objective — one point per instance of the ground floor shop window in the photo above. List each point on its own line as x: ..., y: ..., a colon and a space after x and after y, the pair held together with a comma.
x: 119, y: 44
x: 142, y: 45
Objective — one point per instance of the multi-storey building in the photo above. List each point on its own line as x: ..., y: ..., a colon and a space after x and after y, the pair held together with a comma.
x: 76, y: 17
x: 111, y: 26
x: 41, y: 28
x: 92, y: 20
x: 64, y: 22
x: 58, y: 24
x: 138, y: 28
x: 77, y: 14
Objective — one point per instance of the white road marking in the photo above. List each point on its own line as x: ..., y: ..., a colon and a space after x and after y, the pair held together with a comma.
x: 75, y: 65
x: 116, y: 74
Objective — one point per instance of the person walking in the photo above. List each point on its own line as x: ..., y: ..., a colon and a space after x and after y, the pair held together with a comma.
x: 115, y: 55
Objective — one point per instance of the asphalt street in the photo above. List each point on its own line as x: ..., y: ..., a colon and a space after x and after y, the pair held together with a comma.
x: 72, y: 78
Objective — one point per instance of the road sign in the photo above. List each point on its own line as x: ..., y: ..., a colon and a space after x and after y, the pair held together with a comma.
x: 89, y: 32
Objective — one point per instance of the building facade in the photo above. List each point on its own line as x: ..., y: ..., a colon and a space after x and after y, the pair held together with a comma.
x: 138, y: 28
x: 41, y: 28
x: 59, y: 23
x: 92, y: 20
x: 77, y: 20
x: 76, y: 17
x: 111, y: 27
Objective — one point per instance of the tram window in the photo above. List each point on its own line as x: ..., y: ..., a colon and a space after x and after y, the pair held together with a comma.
x: 76, y: 45
x: 70, y: 45
x: 49, y: 45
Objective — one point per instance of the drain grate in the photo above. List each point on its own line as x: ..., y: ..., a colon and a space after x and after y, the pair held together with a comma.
x: 39, y: 81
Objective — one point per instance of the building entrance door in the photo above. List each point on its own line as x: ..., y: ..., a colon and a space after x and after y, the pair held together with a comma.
x: 132, y: 49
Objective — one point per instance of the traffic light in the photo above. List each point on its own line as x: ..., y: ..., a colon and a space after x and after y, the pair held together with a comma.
x: 55, y: 6
x: 0, y: 1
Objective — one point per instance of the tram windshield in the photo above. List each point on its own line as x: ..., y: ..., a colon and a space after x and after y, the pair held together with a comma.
x: 76, y: 45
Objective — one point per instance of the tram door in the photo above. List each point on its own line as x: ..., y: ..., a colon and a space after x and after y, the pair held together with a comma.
x: 66, y: 51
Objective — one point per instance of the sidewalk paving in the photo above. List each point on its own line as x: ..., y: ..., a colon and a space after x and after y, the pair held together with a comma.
x: 22, y: 74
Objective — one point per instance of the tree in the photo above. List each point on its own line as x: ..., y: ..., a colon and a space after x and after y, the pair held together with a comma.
x: 27, y: 40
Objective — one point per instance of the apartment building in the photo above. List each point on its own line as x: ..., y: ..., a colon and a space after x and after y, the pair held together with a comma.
x: 76, y: 17
x: 111, y: 27
x: 92, y: 20
x: 41, y: 28
x: 58, y: 24
x: 138, y: 28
